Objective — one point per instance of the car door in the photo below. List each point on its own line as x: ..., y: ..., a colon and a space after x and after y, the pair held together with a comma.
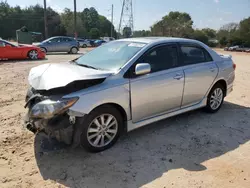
x: 64, y: 45
x: 2, y: 50
x: 161, y: 90
x: 11, y: 52
x: 200, y: 72
x: 51, y: 45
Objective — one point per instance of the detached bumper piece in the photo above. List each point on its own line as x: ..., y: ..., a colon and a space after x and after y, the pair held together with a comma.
x: 60, y: 127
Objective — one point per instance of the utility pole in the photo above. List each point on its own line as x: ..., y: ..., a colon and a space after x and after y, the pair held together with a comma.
x: 75, y: 32
x: 112, y: 19
x: 45, y: 20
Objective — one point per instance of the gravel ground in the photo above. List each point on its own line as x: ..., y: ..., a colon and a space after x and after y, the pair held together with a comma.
x: 191, y: 150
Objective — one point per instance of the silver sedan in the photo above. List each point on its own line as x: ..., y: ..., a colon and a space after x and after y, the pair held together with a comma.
x: 60, y: 44
x: 124, y: 85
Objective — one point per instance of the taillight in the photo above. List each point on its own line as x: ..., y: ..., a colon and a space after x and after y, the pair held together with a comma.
x: 234, y: 66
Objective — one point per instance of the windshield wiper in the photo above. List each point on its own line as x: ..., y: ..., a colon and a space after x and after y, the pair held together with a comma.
x: 88, y: 66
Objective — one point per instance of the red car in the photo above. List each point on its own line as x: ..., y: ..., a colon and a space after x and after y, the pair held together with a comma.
x: 11, y: 51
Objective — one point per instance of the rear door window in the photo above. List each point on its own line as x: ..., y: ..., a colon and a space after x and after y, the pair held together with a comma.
x: 193, y: 54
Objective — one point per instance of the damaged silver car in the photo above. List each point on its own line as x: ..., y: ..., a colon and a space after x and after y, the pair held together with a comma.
x: 124, y: 85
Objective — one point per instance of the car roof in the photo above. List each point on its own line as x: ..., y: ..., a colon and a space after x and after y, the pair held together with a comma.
x: 157, y: 39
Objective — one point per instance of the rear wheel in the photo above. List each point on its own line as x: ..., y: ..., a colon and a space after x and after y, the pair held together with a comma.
x: 33, y: 54
x: 74, y: 50
x: 215, y: 98
x: 84, y: 46
x: 101, y: 129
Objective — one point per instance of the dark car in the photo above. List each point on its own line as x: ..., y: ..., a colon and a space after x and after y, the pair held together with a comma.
x: 60, y: 44
x: 99, y: 42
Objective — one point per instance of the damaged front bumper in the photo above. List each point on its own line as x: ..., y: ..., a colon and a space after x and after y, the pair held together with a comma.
x: 56, y: 121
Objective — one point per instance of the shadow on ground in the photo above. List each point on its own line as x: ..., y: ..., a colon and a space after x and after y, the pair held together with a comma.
x: 64, y: 53
x: 140, y: 157
x: 21, y: 60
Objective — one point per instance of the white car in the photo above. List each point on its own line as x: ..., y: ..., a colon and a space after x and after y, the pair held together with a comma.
x: 84, y: 43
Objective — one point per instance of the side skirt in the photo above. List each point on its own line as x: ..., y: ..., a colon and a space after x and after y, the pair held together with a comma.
x: 131, y: 126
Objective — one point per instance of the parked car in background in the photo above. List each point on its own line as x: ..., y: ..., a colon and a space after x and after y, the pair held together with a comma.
x: 99, y: 42
x: 60, y: 44
x: 241, y: 48
x: 226, y: 48
x: 233, y: 48
x: 84, y: 43
x: 108, y: 39
x: 11, y: 51
x: 124, y: 85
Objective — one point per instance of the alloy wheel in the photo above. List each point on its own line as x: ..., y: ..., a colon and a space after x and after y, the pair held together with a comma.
x: 33, y: 54
x: 102, y: 130
x: 216, y: 98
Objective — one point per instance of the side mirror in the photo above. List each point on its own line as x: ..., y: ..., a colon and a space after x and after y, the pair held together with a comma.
x: 142, y: 68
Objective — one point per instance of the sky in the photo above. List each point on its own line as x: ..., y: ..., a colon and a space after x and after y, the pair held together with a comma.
x: 204, y: 13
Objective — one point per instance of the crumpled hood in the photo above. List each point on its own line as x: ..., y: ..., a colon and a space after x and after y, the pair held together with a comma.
x: 54, y: 75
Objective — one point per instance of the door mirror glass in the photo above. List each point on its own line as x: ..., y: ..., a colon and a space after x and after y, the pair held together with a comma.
x: 142, y: 68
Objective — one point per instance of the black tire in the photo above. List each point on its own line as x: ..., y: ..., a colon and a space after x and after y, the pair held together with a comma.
x: 209, y: 107
x: 74, y: 50
x: 107, y: 109
x: 32, y: 55
x: 44, y: 49
x: 84, y: 46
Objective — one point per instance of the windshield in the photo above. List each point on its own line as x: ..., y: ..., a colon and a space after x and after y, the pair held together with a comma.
x: 8, y: 43
x: 111, y: 56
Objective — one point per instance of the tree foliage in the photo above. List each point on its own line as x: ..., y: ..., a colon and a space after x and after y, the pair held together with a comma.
x: 175, y: 24
x: 178, y: 24
x: 142, y: 33
x: 127, y: 32
x: 13, y: 18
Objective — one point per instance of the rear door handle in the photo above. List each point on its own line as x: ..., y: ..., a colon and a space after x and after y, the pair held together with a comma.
x: 178, y: 76
x: 212, y: 69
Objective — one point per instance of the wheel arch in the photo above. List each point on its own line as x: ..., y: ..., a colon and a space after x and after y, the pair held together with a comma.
x: 222, y: 82
x: 118, y: 107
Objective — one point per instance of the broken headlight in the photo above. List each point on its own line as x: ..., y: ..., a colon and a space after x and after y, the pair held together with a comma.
x: 48, y: 108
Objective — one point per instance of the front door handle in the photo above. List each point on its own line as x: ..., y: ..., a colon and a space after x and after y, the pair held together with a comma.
x: 178, y: 76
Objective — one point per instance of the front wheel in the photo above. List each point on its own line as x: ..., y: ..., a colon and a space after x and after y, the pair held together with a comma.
x: 33, y: 54
x: 101, y: 129
x: 215, y: 98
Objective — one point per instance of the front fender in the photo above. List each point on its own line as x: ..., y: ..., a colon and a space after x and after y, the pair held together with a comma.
x: 117, y: 95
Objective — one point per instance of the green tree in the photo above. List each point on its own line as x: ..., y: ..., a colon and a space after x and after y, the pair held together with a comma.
x: 175, y: 24
x: 211, y: 33
x: 94, y: 33
x: 68, y: 23
x: 244, y: 31
x: 127, y: 32
x: 200, y: 36
x: 141, y: 33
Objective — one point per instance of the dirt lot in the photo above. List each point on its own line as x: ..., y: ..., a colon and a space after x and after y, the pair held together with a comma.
x: 191, y: 150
